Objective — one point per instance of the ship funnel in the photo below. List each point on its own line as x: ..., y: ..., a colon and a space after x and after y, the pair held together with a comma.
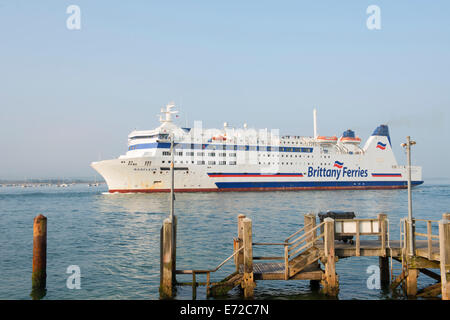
x: 383, y: 131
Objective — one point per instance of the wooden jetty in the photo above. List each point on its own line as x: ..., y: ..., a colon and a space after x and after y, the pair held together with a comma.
x: 311, y: 253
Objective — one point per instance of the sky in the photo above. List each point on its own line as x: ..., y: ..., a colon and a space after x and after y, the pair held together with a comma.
x: 71, y: 96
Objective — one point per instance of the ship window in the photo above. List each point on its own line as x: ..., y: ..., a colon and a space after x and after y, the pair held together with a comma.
x: 222, y: 162
x: 143, y: 137
x: 211, y: 162
x: 232, y: 162
x: 200, y: 162
x: 211, y: 154
x: 166, y: 153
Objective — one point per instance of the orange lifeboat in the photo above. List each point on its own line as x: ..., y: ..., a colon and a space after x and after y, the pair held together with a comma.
x: 349, y: 137
x: 351, y: 140
x: 219, y: 138
x: 325, y: 139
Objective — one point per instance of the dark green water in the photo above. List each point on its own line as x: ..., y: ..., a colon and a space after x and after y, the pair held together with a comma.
x: 114, y: 238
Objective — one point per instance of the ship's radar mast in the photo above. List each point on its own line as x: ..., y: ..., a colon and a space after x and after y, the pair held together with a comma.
x: 315, y: 123
x: 166, y: 115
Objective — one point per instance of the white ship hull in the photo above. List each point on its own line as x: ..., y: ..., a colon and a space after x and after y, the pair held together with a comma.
x: 237, y: 163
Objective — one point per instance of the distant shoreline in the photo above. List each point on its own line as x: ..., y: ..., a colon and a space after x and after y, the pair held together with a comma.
x: 49, y: 181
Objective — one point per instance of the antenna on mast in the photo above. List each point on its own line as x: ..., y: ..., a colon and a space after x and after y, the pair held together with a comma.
x: 315, y: 123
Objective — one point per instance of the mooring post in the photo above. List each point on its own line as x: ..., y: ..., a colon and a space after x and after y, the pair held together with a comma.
x: 330, y: 283
x: 174, y: 250
x: 310, y: 223
x: 444, y: 252
x: 248, y: 282
x: 239, y: 258
x: 383, y: 259
x: 166, y: 276
x: 411, y: 282
x: 39, y: 273
x: 412, y: 273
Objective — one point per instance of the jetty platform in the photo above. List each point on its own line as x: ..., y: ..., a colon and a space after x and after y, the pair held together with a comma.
x: 311, y: 253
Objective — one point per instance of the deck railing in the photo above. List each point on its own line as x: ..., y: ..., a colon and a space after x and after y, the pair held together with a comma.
x: 429, y: 235
x: 364, y: 227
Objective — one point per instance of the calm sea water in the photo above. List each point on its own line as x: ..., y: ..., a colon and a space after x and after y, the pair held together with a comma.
x: 114, y: 238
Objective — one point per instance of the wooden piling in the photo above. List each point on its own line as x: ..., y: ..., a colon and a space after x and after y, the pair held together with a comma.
x: 174, y: 250
x: 166, y: 278
x: 310, y: 223
x: 444, y: 253
x: 248, y: 282
x: 330, y: 281
x: 194, y: 286
x: 383, y: 259
x: 39, y: 273
x: 239, y: 258
x: 411, y: 282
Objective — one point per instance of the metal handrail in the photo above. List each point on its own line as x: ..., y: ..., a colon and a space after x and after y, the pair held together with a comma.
x: 304, y: 235
x: 306, y: 245
x: 297, y: 232
x: 212, y: 270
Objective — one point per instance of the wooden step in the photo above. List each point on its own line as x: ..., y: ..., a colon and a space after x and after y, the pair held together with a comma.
x: 303, y: 260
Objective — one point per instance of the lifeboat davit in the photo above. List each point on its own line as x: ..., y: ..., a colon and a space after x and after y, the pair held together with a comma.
x: 325, y: 139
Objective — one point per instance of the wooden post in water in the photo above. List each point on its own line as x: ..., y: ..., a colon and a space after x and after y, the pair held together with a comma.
x: 39, y: 275
x: 411, y: 282
x: 444, y: 252
x: 310, y: 223
x: 330, y: 281
x: 166, y: 271
x: 174, y: 250
x: 383, y: 259
x: 239, y: 258
x: 412, y: 273
x: 248, y: 282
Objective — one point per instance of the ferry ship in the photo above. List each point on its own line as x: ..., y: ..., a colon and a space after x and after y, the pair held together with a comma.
x: 245, y: 159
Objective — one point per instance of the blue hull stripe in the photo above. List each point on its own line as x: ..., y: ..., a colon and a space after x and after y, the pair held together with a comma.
x: 313, y: 184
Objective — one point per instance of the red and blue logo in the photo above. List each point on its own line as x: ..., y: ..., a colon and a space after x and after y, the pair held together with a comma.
x: 381, y: 146
x: 338, y: 164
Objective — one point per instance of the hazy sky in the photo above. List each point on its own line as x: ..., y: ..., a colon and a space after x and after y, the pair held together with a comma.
x: 69, y: 97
